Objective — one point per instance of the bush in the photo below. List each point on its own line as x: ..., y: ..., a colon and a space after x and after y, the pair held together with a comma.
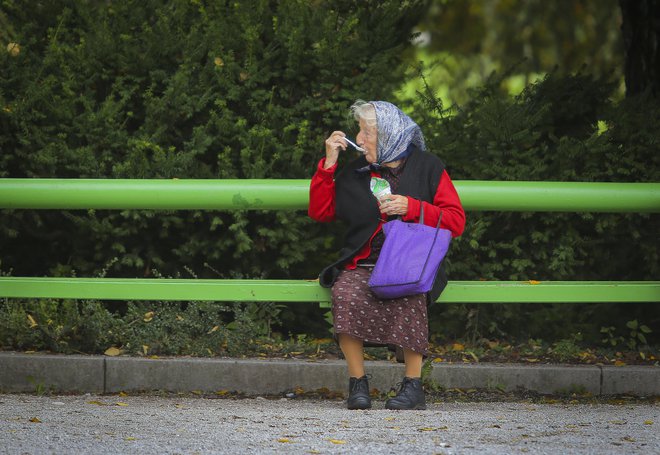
x: 179, y: 89
x: 563, y: 128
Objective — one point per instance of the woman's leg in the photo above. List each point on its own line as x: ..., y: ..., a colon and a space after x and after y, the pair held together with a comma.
x: 411, y: 393
x: 414, y: 362
x: 353, y: 349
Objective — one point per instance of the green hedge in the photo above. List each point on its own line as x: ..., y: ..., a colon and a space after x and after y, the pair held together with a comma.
x: 181, y: 89
x: 563, y: 128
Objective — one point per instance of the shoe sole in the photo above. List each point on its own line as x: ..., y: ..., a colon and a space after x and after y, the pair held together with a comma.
x: 416, y: 408
x: 358, y: 408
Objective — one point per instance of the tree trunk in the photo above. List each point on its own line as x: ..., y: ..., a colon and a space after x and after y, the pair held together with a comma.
x: 641, y: 42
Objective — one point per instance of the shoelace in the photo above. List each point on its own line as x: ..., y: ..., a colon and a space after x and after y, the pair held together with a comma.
x: 357, y: 383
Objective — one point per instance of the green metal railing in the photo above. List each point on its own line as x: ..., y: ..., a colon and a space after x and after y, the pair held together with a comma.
x: 293, y: 195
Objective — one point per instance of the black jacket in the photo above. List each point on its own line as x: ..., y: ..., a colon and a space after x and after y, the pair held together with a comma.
x: 357, y: 207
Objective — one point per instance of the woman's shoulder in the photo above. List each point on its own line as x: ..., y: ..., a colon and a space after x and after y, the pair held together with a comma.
x: 428, y: 158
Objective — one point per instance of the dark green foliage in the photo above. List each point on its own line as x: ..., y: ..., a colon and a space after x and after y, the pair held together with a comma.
x: 181, y: 89
x: 563, y: 128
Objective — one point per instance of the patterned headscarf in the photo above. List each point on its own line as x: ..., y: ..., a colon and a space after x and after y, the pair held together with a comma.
x: 396, y: 132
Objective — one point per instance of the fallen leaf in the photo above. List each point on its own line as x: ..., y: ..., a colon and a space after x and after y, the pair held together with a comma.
x: 123, y: 394
x: 437, y: 360
x: 389, y: 419
x: 619, y: 363
x: 214, y: 329
x: 35, y: 420
x: 222, y: 393
x: 648, y: 422
x: 179, y: 317
x: 98, y: 403
x: 284, y: 440
x: 458, y: 347
x: 121, y: 403
x: 337, y: 441
x: 628, y: 439
x: 112, y: 352
x: 145, y: 349
x: 130, y: 438
x: 218, y: 62
x: 148, y: 316
x: 533, y: 282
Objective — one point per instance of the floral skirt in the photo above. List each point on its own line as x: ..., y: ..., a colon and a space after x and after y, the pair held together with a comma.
x: 357, y: 312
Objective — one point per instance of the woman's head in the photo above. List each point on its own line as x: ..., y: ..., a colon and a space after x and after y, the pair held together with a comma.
x: 385, y: 131
x: 365, y: 114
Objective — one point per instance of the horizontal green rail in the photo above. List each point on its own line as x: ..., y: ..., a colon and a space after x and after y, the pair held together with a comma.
x: 294, y: 195
x: 310, y: 291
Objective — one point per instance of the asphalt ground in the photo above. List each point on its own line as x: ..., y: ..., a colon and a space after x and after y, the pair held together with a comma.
x: 185, y: 424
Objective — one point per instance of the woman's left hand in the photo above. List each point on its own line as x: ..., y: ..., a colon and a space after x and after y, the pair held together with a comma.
x: 394, y: 204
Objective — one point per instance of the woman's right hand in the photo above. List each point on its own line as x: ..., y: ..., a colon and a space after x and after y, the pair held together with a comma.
x: 333, y: 145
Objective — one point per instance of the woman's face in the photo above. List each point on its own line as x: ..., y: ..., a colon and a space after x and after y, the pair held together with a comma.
x: 367, y: 138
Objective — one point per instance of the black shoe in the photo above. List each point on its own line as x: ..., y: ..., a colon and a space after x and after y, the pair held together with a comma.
x: 410, y: 396
x: 358, y: 393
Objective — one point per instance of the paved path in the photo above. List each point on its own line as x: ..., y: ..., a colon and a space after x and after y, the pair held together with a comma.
x: 102, y: 424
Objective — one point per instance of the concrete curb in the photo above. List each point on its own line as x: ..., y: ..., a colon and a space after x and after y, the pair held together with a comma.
x: 99, y: 374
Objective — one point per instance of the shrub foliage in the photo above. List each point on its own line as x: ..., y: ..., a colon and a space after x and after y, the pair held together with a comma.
x: 190, y: 89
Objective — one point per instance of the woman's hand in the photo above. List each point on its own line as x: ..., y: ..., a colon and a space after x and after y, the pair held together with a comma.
x: 333, y: 145
x: 394, y: 204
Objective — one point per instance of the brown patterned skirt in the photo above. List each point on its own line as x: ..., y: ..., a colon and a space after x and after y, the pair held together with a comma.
x: 359, y: 313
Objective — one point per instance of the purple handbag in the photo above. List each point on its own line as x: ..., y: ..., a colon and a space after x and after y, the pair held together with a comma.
x: 409, y: 259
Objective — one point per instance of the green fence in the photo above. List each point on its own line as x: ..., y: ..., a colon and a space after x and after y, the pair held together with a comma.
x: 293, y: 195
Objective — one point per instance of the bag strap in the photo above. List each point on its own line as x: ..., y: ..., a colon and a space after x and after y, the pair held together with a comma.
x: 421, y: 215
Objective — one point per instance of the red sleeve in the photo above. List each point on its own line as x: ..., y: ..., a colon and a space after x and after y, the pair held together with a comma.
x: 322, y: 193
x: 446, y: 200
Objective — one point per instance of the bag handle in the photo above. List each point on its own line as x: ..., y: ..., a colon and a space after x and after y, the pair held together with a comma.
x: 421, y: 215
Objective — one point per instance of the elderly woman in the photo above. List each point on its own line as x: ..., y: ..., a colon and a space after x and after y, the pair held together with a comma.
x: 393, y: 149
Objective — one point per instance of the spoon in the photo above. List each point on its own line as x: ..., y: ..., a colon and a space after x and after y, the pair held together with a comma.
x: 357, y: 147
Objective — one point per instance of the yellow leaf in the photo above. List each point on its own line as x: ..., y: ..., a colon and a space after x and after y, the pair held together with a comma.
x: 214, y: 329
x: 112, y: 352
x: 123, y: 394
x: 437, y: 360
x: 458, y: 347
x: 642, y: 355
x: 222, y: 393
x: 130, y: 438
x: 14, y: 49
x: 426, y: 429
x: 619, y: 363
x: 179, y: 317
x: 35, y: 420
x: 389, y: 419
x: 148, y: 316
x: 337, y: 441
x: 648, y: 422
x: 145, y: 349
x: 284, y: 440
x: 121, y: 403
x: 218, y: 61
x: 155, y: 357
x: 32, y: 322
x: 98, y: 403
x: 534, y: 282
